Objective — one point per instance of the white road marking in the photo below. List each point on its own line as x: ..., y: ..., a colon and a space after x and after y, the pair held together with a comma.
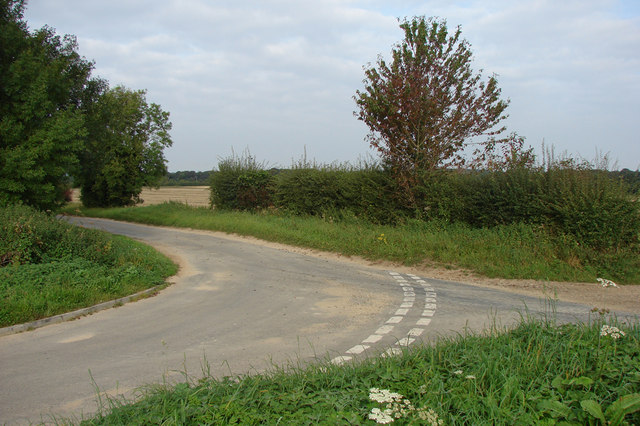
x: 405, y: 341
x: 409, y: 292
x: 385, y: 329
x: 374, y: 338
x: 340, y: 359
x: 357, y: 349
x: 393, y: 351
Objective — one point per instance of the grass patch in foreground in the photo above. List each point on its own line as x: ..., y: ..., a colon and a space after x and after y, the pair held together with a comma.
x: 51, y: 267
x: 516, y: 251
x: 536, y: 373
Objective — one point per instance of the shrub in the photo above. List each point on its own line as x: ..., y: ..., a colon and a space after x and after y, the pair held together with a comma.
x: 368, y: 192
x: 241, y: 183
x: 588, y: 204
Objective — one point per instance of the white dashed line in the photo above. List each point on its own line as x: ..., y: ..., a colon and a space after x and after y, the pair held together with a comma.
x: 374, y: 338
x: 415, y: 332
x: 406, y: 310
x: 357, y: 349
x: 384, y: 329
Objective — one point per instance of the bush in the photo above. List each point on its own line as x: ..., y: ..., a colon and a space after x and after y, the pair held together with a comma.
x: 241, y: 183
x: 367, y: 193
x: 591, y: 206
x: 588, y: 205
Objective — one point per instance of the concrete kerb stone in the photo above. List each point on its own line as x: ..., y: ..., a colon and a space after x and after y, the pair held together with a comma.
x: 68, y: 316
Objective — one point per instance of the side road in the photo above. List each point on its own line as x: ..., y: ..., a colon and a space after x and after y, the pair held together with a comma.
x: 236, y: 308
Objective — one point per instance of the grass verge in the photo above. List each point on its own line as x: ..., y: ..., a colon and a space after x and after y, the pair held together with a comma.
x: 51, y: 267
x: 516, y: 251
x: 537, y: 373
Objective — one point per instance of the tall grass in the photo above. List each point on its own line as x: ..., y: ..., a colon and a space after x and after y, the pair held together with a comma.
x: 536, y: 373
x: 50, y: 267
x: 508, y: 251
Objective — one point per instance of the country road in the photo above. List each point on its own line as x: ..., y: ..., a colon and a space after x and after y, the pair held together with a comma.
x: 237, y: 307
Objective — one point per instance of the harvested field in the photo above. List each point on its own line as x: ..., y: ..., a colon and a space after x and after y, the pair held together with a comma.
x: 197, y: 196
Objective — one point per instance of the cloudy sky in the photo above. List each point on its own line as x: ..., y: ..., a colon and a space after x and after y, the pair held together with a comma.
x: 277, y: 77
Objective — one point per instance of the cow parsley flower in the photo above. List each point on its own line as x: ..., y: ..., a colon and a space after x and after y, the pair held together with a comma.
x: 397, y: 407
x: 381, y: 417
x: 384, y: 396
x: 614, y: 332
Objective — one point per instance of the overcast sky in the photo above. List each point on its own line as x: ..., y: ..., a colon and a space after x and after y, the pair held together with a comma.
x: 277, y: 77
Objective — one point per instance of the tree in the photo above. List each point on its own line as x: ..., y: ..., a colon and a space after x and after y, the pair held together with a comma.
x: 42, y: 78
x: 124, y: 147
x: 424, y: 105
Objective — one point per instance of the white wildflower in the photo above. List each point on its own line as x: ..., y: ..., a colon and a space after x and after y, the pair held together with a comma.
x: 430, y: 417
x: 606, y: 283
x: 384, y: 396
x: 470, y: 377
x: 381, y: 417
x: 398, y: 407
x: 614, y: 332
x: 457, y: 372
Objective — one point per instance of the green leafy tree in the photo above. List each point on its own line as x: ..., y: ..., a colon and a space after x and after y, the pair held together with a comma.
x: 42, y: 79
x: 423, y: 106
x: 125, y: 145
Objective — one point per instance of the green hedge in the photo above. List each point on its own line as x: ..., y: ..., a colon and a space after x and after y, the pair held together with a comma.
x: 580, y: 205
x: 589, y: 206
x: 241, y: 184
x: 367, y: 193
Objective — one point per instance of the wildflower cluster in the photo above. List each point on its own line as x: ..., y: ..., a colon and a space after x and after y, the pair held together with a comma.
x: 382, y: 238
x: 614, y: 332
x: 606, y: 283
x: 398, y: 407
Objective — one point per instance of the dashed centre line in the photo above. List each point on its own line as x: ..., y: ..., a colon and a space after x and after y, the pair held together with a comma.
x: 410, y: 285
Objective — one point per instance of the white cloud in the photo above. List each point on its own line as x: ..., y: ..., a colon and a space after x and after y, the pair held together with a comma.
x: 277, y: 76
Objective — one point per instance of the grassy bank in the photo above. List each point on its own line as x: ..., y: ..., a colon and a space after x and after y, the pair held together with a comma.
x: 537, y: 373
x: 50, y: 267
x: 509, y: 251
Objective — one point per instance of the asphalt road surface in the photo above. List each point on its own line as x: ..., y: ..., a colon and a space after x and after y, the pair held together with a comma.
x: 237, y: 307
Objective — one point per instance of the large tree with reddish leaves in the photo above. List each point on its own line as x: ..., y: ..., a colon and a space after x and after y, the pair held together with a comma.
x: 425, y: 105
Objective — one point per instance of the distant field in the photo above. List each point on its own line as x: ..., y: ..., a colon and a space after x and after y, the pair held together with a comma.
x: 197, y: 196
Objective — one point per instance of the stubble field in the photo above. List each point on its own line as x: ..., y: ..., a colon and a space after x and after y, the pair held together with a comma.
x: 197, y: 196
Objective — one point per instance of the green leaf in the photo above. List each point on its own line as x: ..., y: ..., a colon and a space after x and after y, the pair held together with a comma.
x: 558, y: 383
x: 626, y: 404
x: 581, y: 381
x: 593, y: 408
x: 555, y: 408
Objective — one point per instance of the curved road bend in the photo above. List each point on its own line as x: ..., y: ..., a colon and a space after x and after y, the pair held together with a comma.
x: 236, y: 307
